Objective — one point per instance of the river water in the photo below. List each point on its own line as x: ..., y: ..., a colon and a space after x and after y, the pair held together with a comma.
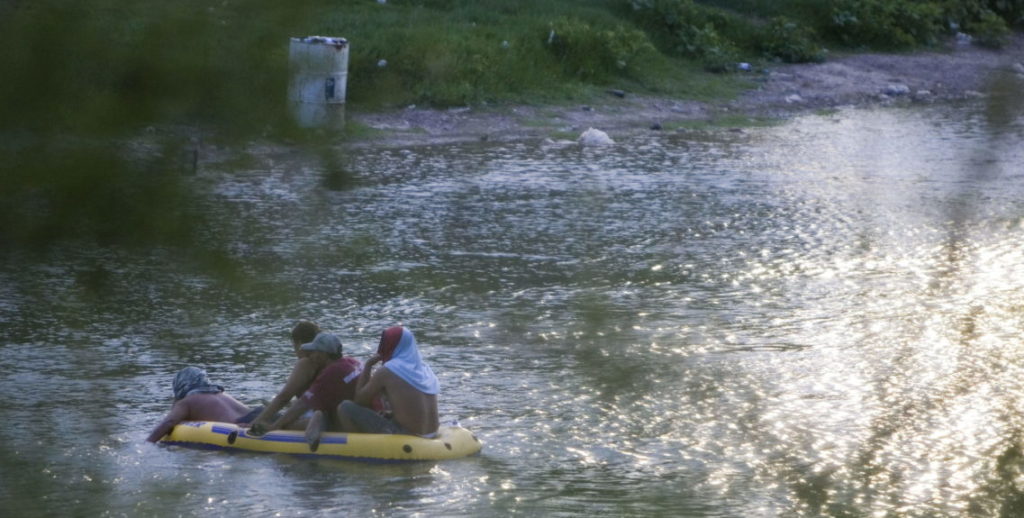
x: 821, y: 318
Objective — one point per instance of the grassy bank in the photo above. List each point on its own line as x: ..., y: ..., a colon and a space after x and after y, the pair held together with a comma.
x: 98, y: 65
x: 94, y: 72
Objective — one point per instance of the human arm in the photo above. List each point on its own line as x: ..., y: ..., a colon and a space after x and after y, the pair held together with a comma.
x: 179, y: 412
x: 302, y: 375
x: 368, y: 385
x: 295, y: 411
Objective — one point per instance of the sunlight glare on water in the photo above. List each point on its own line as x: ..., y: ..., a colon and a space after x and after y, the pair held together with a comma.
x: 818, y: 318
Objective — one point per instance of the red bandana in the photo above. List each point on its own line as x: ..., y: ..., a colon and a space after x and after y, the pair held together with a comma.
x: 388, y: 342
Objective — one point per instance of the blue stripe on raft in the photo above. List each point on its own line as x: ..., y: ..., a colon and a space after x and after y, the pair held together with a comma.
x: 279, y: 438
x: 272, y: 437
x: 224, y: 430
x: 311, y: 455
x: 199, y: 445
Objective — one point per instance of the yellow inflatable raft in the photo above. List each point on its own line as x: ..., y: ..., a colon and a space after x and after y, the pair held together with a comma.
x: 452, y: 442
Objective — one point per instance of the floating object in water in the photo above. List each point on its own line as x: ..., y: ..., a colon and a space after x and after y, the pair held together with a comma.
x: 594, y: 137
x: 452, y: 442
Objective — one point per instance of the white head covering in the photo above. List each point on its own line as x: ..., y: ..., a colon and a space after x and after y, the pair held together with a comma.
x: 405, y: 361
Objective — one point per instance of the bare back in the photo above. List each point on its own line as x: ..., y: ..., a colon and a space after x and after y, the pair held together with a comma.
x: 200, y: 407
x: 412, y: 409
x: 213, y: 407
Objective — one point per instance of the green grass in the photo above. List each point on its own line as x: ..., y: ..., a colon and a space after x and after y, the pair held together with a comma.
x: 102, y: 66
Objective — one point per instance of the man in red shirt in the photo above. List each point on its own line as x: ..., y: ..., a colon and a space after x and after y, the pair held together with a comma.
x: 335, y: 383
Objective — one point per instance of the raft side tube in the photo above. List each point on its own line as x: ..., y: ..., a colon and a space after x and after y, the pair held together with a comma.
x: 452, y: 442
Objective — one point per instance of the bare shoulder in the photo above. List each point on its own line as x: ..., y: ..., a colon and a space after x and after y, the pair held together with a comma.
x: 385, y: 379
x: 304, y: 367
x: 385, y: 374
x: 304, y: 363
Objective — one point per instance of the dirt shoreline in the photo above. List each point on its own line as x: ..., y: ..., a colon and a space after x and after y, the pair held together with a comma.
x: 958, y: 71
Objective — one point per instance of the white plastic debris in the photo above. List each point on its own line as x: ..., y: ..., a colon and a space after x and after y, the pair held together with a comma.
x: 594, y: 137
x: 896, y: 89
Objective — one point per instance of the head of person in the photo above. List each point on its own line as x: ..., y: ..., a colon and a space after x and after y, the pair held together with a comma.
x: 395, y: 341
x: 400, y: 354
x: 324, y: 348
x: 193, y: 380
x: 303, y: 333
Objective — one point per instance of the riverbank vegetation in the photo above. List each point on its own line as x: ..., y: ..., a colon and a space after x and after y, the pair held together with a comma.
x: 97, y: 72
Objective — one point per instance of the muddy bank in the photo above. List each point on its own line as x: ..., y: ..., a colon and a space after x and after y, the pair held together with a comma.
x: 957, y: 71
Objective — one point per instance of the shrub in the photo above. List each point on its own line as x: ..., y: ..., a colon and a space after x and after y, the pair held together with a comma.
x: 590, y: 53
x: 1010, y: 10
x: 989, y: 21
x: 791, y: 42
x: 687, y: 29
x: 885, y: 23
x: 716, y: 53
x: 989, y: 30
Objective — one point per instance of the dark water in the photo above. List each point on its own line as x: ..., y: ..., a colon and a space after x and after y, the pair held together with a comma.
x: 818, y: 319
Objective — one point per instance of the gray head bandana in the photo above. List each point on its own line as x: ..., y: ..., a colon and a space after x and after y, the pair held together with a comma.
x: 193, y: 380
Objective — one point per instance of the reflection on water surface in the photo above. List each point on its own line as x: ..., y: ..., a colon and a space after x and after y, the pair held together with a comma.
x: 821, y: 318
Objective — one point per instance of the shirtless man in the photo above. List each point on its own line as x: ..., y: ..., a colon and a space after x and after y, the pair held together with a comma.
x: 408, y: 384
x: 304, y: 371
x: 196, y: 399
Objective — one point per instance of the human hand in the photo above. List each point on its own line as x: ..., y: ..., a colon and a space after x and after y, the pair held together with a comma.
x: 257, y: 429
x: 375, y: 358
